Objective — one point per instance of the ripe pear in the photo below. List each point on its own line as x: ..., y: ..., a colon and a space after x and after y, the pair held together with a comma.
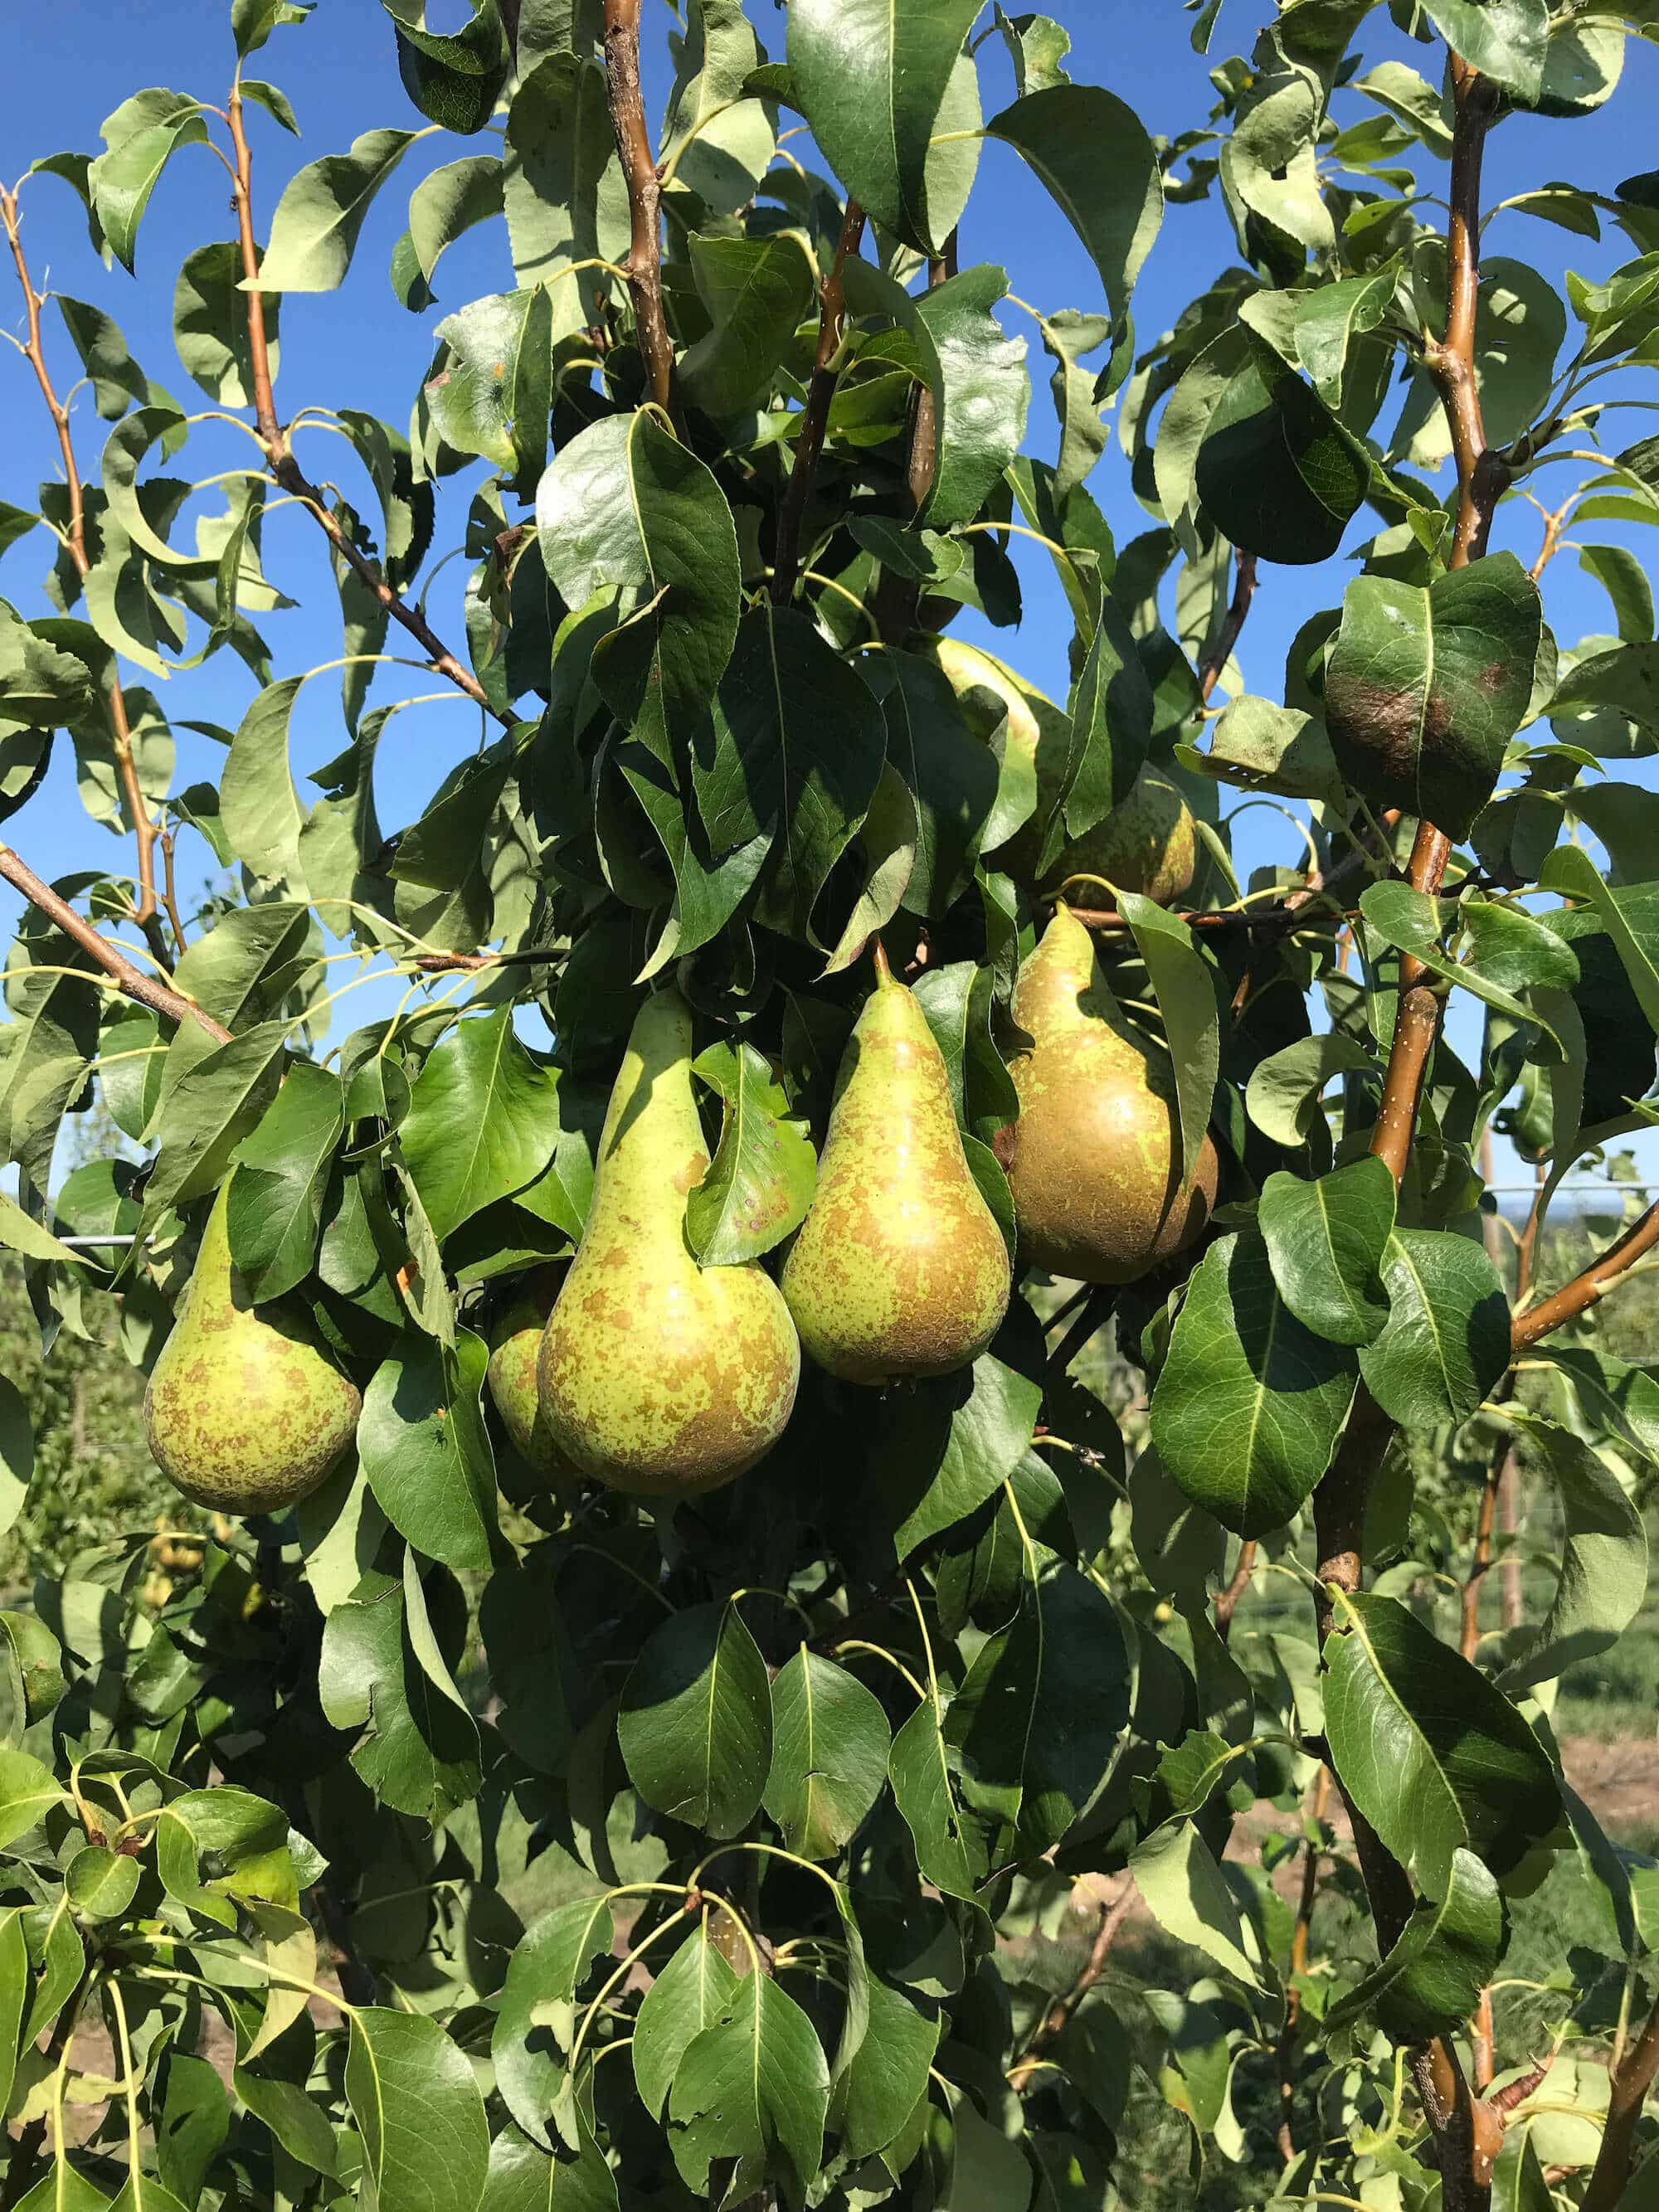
x: 244, y: 1412
x: 900, y: 1268
x: 1147, y: 844
x: 515, y: 1344
x: 659, y: 1377
x: 1092, y: 1158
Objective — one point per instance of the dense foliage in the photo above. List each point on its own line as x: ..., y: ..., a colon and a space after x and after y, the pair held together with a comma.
x: 828, y: 1751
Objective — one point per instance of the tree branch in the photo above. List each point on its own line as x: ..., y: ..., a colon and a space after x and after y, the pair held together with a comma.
x: 622, y: 56
x: 899, y: 597
x: 1226, y: 1601
x: 1482, y: 477
x: 1054, y: 2021
x: 1632, y: 2079
x: 1220, y: 653
x: 1597, y: 1280
x: 809, y: 443
x: 287, y: 470
x: 136, y: 985
x: 144, y: 913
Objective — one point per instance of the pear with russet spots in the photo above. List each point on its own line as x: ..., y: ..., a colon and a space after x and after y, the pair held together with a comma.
x: 244, y: 1412
x: 900, y: 1269
x: 1146, y: 844
x: 658, y: 1376
x: 1093, y: 1160
x: 515, y: 1344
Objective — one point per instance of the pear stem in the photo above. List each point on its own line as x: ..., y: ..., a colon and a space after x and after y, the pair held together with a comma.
x: 878, y: 954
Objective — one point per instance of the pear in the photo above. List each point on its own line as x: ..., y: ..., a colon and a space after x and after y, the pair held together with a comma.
x: 1091, y: 1159
x: 244, y: 1412
x: 900, y: 1268
x: 659, y: 1377
x: 515, y: 1344
x: 1146, y: 844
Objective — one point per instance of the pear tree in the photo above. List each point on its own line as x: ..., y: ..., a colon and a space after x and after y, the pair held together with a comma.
x: 848, y: 1493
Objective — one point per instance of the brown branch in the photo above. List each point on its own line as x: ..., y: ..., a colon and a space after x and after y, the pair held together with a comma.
x: 445, y: 963
x: 1054, y: 2021
x: 1284, y: 2053
x: 1597, y: 1280
x: 1220, y: 653
x: 622, y: 57
x: 136, y: 985
x: 1226, y: 1601
x: 1632, y: 2079
x: 900, y: 597
x: 1482, y: 476
x: 287, y: 470
x: 815, y: 417
x: 1554, y: 524
x: 1279, y: 919
x: 121, y: 730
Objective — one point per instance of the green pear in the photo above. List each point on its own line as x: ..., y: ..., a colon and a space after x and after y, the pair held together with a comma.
x: 659, y: 1377
x: 900, y: 1268
x: 515, y: 1344
x: 1146, y: 844
x: 244, y: 1412
x: 1092, y: 1158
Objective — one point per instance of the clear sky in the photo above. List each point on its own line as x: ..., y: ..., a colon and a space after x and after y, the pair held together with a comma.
x: 73, y: 62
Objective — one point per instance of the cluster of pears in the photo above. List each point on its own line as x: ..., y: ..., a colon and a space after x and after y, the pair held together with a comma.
x: 1146, y: 844
x: 659, y: 1377
x: 245, y: 1412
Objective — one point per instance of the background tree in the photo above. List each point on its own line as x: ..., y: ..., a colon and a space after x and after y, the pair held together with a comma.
x: 822, y: 1706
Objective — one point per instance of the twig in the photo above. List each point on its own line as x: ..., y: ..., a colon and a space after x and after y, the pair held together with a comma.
x: 1054, y: 2021
x: 809, y: 443
x: 1554, y: 523
x: 1271, y: 919
x: 1220, y: 653
x: 1285, y: 2052
x: 1631, y: 2081
x: 287, y: 470
x: 443, y: 964
x: 899, y: 597
x: 1226, y: 1601
x: 1597, y: 1280
x: 1482, y: 476
x: 75, y: 541
x: 136, y: 985
x: 622, y: 57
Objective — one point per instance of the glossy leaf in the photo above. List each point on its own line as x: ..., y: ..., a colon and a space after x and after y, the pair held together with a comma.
x: 689, y: 1994
x: 696, y: 1725
x: 1247, y: 1409
x: 425, y: 1450
x: 1092, y: 152
x: 1604, y: 1560
x: 1447, y: 1337
x: 830, y: 1745
x: 315, y: 228
x: 753, y: 2087
x: 483, y: 1121
x: 425, y: 2143
x: 1432, y: 1979
x: 1325, y: 1242
x: 276, y: 1207
x: 760, y: 1180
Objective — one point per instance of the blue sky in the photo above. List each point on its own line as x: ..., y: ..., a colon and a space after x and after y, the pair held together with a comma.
x: 74, y: 62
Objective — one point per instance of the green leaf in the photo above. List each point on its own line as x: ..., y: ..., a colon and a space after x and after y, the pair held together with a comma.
x: 123, y: 179
x: 1613, y: 1395
x: 549, y: 1963
x: 21, y: 1233
x: 482, y: 1121
x: 1039, y: 1716
x: 1436, y: 1759
x: 426, y: 2143
x: 27, y: 1794
x: 276, y: 1204
x: 1519, y: 325
x: 117, y: 382
x: 1504, y: 39
x: 1331, y: 318
x: 1184, y: 984
x: 718, y: 133
x: 1624, y: 578
x: 1426, y: 687
x: 946, y: 1446
x: 206, y: 1114
x: 494, y: 387
x: 752, y: 2086
x: 419, y: 1752
x: 888, y: 2076
x: 563, y: 183
x: 99, y: 1883
x: 1326, y: 1241
x: 1249, y: 1404
x: 1630, y: 914
x: 314, y: 231
x: 210, y: 325
x: 426, y: 1451
x: 626, y: 507
x: 830, y: 1745
x: 1185, y: 1893
x: 1432, y: 1977
x: 929, y: 1789
x: 252, y: 21
x: 40, y: 687
x: 452, y: 201
x: 871, y: 79
x: 950, y: 774
x: 696, y: 1725
x: 1083, y: 434
x: 1604, y: 1560
x: 258, y: 803
x: 755, y: 291
x: 454, y: 78
x: 1111, y: 715
x: 1092, y: 152
x: 798, y: 753
x: 1414, y: 922
x: 760, y: 1180
x: 523, y: 2177
x: 689, y: 1996
x: 193, y: 2125
x: 1447, y: 1338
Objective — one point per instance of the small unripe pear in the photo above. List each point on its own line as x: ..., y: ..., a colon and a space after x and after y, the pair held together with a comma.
x: 1147, y: 844
x: 515, y: 1344
x: 659, y: 1377
x: 244, y: 1412
x: 900, y: 1268
x: 1092, y: 1159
